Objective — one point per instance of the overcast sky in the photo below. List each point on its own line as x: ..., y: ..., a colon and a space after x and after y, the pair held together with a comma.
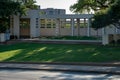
x: 60, y: 4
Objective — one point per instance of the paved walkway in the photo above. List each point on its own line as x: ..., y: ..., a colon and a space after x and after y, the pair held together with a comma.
x: 36, y: 40
x: 62, y: 67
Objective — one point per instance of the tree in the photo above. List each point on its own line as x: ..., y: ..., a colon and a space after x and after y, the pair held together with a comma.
x: 95, y: 5
x: 30, y: 4
x: 14, y: 7
x: 8, y: 8
x: 111, y: 16
x: 106, y: 11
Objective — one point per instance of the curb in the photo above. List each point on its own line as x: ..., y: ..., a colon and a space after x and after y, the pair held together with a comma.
x: 70, y: 63
x: 63, y: 70
x: 74, y: 67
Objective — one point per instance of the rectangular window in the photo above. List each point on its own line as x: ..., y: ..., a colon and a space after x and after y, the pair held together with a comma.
x: 48, y: 25
x: 42, y: 26
x: 50, y: 12
x: 54, y: 25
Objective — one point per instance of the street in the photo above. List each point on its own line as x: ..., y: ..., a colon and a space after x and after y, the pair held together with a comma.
x: 51, y: 75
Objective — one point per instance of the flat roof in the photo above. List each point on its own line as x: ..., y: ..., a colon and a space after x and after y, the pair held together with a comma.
x: 67, y: 16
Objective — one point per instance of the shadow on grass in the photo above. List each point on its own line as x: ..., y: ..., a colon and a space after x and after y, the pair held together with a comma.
x: 59, y: 53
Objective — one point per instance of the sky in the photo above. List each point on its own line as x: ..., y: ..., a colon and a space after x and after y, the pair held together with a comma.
x: 58, y: 4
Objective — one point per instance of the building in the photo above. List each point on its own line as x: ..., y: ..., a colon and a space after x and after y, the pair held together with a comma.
x: 50, y: 22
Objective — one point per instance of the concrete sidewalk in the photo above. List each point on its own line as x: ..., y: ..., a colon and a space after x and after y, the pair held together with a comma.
x: 60, y: 67
x: 96, y: 42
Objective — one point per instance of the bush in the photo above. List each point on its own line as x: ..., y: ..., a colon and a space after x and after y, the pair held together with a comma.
x: 2, y: 28
x: 13, y: 37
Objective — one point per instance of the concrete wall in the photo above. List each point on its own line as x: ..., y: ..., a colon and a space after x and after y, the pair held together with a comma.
x: 34, y: 24
x: 47, y: 32
x: 68, y: 32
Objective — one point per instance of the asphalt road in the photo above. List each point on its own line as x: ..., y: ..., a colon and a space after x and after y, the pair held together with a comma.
x: 51, y: 75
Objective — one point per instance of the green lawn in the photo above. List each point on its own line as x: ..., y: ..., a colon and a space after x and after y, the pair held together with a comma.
x: 58, y: 53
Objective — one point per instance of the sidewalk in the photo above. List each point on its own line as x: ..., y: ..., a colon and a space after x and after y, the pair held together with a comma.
x: 63, y: 67
x: 96, y: 42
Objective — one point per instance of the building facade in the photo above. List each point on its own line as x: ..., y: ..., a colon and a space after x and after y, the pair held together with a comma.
x: 50, y: 22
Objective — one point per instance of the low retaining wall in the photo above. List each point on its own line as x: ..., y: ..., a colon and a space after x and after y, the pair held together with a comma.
x: 113, y: 37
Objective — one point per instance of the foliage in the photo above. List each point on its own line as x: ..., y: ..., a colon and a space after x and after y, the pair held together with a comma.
x: 9, y: 7
x: 3, y: 25
x: 110, y: 16
x: 95, y: 5
x: 100, y: 20
x: 107, y: 12
x: 2, y: 28
x: 14, y: 7
x: 30, y: 4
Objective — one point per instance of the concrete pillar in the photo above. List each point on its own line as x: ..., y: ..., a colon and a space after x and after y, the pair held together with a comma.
x: 105, y: 40
x: 115, y: 35
x: 84, y: 21
x: 33, y: 27
x: 88, y: 27
x: 117, y: 31
x: 16, y: 26
x: 37, y: 27
x: 57, y: 30
x: 72, y: 26
x: 78, y: 26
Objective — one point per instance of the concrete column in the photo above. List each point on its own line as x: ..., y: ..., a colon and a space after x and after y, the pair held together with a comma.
x: 78, y: 26
x: 115, y: 35
x: 117, y: 31
x: 105, y: 40
x: 88, y: 27
x: 72, y: 26
x: 37, y: 27
x: 57, y: 31
x: 33, y: 27
x: 16, y: 26
x: 84, y: 21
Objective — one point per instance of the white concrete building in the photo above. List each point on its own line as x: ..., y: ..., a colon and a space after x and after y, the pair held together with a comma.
x: 49, y: 22
x: 55, y: 22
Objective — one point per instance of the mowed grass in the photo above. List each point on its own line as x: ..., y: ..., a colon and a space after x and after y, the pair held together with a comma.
x: 33, y: 52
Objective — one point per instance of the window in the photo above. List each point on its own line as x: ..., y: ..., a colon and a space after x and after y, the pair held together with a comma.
x: 48, y: 25
x: 42, y: 12
x: 50, y: 12
x: 24, y: 23
x: 42, y: 26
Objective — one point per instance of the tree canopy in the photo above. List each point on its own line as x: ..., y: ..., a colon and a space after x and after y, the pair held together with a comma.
x: 9, y: 7
x: 107, y: 12
x: 95, y: 5
x: 30, y: 4
x: 107, y: 17
x: 13, y: 7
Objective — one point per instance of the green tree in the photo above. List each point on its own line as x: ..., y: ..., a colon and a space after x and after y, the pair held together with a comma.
x: 8, y: 8
x: 30, y: 4
x: 107, y: 12
x: 110, y: 16
x: 95, y: 5
x: 13, y: 7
